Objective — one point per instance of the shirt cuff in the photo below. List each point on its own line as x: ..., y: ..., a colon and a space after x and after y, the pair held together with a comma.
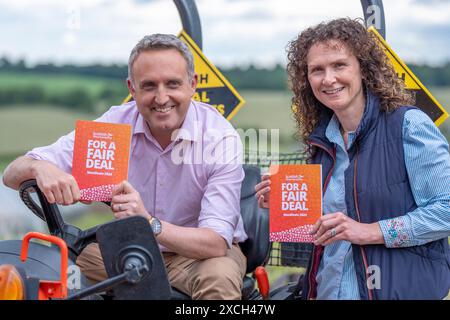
x: 397, y: 232
x: 223, y: 228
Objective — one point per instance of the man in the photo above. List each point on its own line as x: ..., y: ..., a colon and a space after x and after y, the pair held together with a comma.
x: 191, y: 201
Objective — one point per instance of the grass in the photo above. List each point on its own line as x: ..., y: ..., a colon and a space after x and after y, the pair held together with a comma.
x: 92, y: 219
x: 25, y: 127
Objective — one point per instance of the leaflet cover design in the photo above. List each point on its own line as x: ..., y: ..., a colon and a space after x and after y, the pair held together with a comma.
x: 100, y: 158
x: 295, y: 201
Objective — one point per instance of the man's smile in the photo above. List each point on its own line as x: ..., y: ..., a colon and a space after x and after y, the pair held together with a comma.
x: 162, y: 109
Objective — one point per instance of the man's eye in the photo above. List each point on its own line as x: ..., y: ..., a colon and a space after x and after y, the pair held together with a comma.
x: 173, y: 84
x: 148, y: 86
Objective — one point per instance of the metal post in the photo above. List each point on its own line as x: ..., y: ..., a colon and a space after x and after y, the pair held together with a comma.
x: 190, y: 19
x: 374, y: 15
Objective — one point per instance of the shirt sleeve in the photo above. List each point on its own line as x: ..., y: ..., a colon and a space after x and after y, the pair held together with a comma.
x: 60, y: 153
x: 428, y: 165
x: 220, y: 205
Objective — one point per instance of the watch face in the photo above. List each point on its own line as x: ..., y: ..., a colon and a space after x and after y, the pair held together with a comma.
x: 156, y: 226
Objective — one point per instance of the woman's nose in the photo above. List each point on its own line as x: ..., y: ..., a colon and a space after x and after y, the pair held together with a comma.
x: 329, y: 78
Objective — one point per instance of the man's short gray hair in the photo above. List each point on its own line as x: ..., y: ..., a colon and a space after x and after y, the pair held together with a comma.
x: 162, y: 41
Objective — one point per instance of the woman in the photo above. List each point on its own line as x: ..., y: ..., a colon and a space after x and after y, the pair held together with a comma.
x: 385, y: 167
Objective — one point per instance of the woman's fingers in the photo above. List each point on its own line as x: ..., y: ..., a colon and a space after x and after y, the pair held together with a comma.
x: 331, y: 235
x: 326, y: 225
x: 262, y: 185
x: 262, y: 203
x: 327, y: 221
x: 263, y: 192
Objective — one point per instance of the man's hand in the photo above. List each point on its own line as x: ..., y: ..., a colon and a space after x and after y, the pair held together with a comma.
x: 338, y: 226
x: 57, y: 185
x: 127, y: 202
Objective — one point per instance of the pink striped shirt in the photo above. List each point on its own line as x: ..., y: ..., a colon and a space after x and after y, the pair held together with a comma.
x: 194, y: 182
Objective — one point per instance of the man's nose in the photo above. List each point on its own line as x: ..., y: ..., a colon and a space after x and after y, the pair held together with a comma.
x: 161, y: 97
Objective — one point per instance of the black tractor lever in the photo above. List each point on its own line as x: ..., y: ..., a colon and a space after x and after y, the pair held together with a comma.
x: 75, y: 238
x: 131, y: 276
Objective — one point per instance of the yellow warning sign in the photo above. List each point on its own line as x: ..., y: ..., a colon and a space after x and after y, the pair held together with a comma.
x: 212, y: 87
x: 424, y: 99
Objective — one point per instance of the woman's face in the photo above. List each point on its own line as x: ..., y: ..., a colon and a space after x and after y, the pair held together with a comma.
x: 335, y: 77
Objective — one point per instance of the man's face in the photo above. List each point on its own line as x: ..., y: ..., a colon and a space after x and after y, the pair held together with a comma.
x: 162, y: 90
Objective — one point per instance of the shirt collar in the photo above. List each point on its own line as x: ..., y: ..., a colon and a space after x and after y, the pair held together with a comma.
x: 333, y: 133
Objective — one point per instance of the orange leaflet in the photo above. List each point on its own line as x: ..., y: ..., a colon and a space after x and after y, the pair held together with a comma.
x: 295, y: 201
x: 100, y: 158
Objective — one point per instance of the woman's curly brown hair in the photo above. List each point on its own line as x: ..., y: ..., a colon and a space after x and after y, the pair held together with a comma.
x: 378, y: 75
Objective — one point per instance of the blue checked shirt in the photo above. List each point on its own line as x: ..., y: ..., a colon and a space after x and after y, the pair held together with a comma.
x: 429, y: 176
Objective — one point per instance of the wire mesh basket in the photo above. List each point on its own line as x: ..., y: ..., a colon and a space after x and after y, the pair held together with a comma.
x: 283, y: 253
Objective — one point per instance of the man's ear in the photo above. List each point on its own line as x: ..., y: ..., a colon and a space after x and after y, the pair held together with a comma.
x: 131, y: 88
x: 194, y: 82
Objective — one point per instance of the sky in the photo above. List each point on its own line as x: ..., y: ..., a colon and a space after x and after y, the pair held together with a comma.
x: 235, y: 32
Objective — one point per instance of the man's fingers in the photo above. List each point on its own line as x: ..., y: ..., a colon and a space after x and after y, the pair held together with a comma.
x: 58, y: 195
x: 118, y: 189
x: 119, y: 207
x: 66, y: 193
x: 121, y: 198
x: 127, y: 187
x: 76, y: 192
x: 265, y: 177
x: 49, y: 196
x: 121, y: 214
x: 123, y: 187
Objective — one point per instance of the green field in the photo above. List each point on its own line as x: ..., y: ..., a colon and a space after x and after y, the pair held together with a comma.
x: 24, y: 127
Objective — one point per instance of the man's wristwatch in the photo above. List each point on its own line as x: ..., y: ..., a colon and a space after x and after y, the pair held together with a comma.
x: 156, y: 225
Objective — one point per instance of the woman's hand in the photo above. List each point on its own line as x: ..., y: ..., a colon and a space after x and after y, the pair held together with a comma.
x: 262, y: 191
x: 338, y: 226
